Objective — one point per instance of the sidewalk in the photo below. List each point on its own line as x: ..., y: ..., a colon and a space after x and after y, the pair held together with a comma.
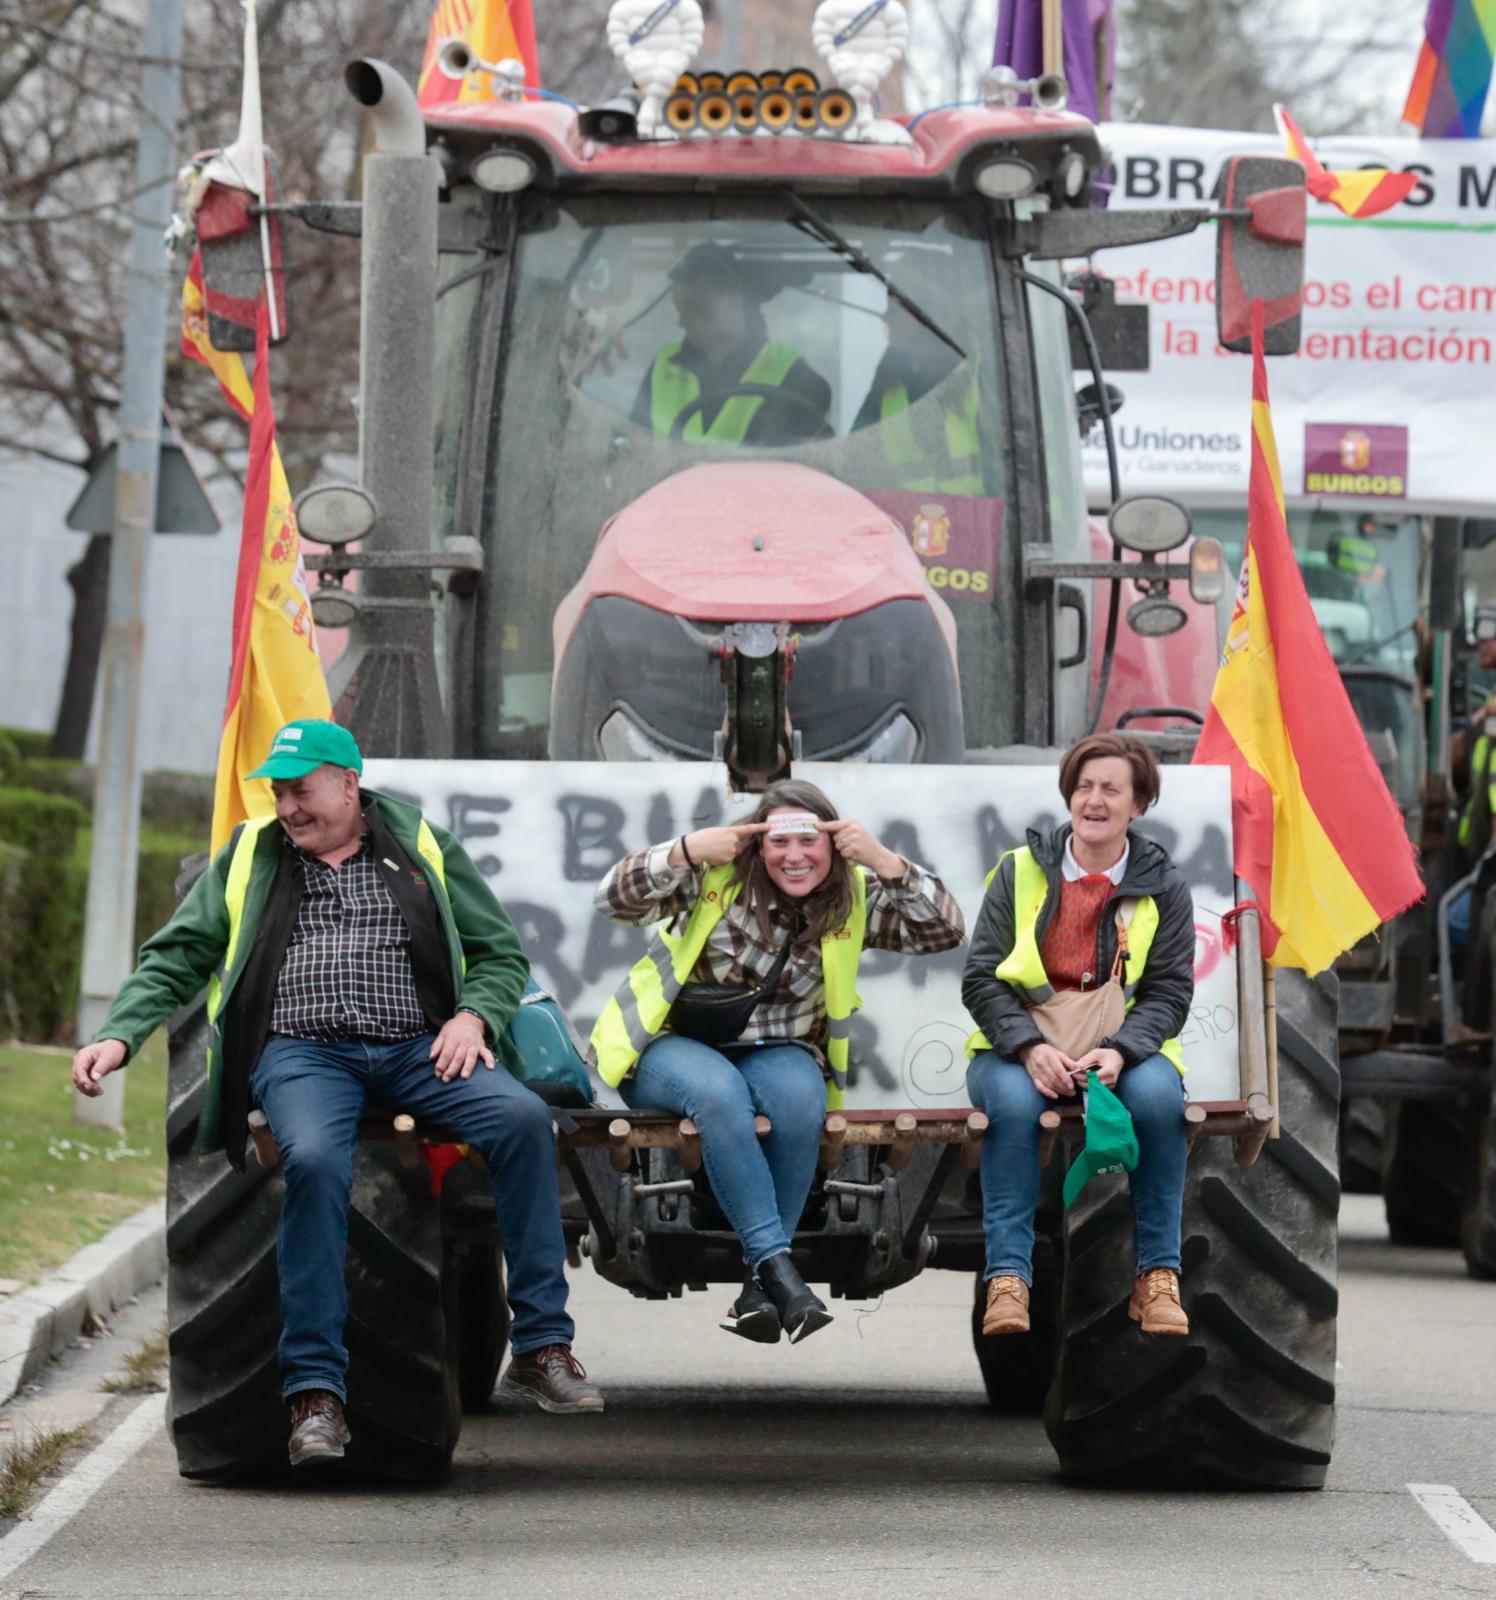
x: 42, y: 1321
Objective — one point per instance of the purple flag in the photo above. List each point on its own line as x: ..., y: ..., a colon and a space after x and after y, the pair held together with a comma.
x: 1089, y: 33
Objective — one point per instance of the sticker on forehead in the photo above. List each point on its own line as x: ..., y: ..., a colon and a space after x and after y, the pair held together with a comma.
x: 793, y: 822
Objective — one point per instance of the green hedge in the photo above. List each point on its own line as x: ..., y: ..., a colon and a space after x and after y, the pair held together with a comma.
x: 29, y: 741
x: 44, y: 849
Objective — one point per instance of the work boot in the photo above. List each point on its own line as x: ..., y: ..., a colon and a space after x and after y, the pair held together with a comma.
x: 1007, y: 1305
x: 553, y: 1379
x: 752, y: 1315
x: 800, y: 1312
x: 1155, y: 1303
x: 318, y: 1431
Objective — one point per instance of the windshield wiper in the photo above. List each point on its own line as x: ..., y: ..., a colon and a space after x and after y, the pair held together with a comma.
x: 860, y: 261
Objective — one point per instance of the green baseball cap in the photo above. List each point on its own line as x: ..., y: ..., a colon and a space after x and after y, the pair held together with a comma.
x: 302, y: 747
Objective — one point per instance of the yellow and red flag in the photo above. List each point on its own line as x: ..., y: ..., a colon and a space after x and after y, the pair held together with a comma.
x: 274, y: 676
x: 494, y: 30
x: 1318, y: 838
x: 1364, y: 192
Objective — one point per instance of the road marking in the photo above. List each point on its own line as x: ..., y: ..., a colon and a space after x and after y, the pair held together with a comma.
x: 1455, y: 1515
x: 81, y: 1484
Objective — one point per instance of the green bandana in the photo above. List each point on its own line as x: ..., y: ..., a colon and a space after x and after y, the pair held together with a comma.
x: 1111, y: 1142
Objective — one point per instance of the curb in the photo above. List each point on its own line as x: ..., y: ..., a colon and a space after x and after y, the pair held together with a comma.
x: 42, y: 1321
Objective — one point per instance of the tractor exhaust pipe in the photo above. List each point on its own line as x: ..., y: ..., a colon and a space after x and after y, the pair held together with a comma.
x: 390, y: 660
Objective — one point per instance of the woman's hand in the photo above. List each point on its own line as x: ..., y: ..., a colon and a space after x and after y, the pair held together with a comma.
x: 854, y: 843
x: 1107, y: 1065
x: 715, y: 847
x: 1050, y: 1068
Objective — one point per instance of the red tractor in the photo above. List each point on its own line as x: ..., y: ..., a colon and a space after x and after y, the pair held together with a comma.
x: 761, y: 446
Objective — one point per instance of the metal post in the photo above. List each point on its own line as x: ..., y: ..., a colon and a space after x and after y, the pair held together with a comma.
x: 109, y: 930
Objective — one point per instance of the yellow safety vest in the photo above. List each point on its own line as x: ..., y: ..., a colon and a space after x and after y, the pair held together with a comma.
x: 1480, y: 768
x: 1023, y: 966
x: 962, y: 470
x: 635, y: 1016
x: 673, y: 387
x: 236, y: 889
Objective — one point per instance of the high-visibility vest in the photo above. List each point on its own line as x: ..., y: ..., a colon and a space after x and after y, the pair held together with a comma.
x: 1480, y: 772
x: 236, y: 890
x: 673, y: 387
x: 1355, y: 555
x: 637, y: 1013
x: 1023, y: 966
x: 961, y: 471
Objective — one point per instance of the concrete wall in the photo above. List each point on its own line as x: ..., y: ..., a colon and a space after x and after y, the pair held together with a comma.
x: 190, y: 589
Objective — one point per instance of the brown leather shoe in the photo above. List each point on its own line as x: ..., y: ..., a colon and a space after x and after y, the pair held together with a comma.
x: 553, y: 1379
x: 318, y: 1430
x: 1155, y: 1302
x: 1007, y: 1305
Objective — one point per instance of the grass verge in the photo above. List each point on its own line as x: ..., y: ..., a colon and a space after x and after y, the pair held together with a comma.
x: 30, y: 1461
x: 141, y: 1371
x: 63, y: 1185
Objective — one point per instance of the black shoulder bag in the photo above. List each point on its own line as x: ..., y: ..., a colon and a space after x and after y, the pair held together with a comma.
x: 717, y: 1013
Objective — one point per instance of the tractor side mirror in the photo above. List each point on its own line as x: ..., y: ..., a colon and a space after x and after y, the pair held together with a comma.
x: 1260, y: 252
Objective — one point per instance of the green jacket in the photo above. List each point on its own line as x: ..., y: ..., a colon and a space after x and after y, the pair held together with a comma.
x: 464, y: 953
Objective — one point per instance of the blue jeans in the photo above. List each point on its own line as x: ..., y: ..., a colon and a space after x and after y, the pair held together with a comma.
x: 314, y: 1092
x: 1153, y: 1093
x: 760, y: 1184
x: 1459, y: 925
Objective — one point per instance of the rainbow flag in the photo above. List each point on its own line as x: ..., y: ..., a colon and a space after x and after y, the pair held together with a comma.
x: 1453, y: 76
x: 1318, y: 838
x: 274, y: 676
x: 1361, y: 193
x: 494, y: 30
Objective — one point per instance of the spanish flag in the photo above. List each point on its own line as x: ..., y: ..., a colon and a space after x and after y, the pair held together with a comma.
x: 1318, y: 838
x: 274, y: 676
x: 1362, y: 193
x: 494, y: 30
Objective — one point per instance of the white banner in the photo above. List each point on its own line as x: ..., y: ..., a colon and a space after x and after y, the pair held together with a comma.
x: 1390, y: 397
x: 544, y: 832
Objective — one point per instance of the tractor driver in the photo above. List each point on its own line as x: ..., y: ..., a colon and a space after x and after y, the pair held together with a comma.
x: 726, y: 381
x: 1473, y: 752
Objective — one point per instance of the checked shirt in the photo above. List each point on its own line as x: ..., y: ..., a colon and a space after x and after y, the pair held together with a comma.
x: 915, y: 916
x: 347, y: 972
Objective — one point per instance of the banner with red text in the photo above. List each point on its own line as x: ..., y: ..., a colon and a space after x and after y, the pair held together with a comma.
x: 1389, y: 397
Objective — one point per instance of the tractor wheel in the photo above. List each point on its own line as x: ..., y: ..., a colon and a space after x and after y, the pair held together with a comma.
x: 227, y: 1417
x: 1422, y: 1175
x: 475, y: 1274
x: 1478, y: 1231
x: 1247, y: 1401
x: 1363, y: 1132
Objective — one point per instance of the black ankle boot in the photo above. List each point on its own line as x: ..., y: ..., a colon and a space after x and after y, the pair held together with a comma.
x: 800, y: 1312
x: 753, y: 1315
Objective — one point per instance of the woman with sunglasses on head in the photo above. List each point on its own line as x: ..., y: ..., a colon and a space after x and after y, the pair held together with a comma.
x: 743, y: 1007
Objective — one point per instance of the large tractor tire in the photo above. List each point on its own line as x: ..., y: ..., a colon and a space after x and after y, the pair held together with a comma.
x: 1423, y: 1180
x: 478, y: 1311
x: 1478, y: 1229
x: 1247, y: 1400
x: 1363, y: 1134
x: 227, y: 1417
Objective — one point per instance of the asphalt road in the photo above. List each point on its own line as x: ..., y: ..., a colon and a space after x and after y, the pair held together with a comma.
x: 863, y: 1463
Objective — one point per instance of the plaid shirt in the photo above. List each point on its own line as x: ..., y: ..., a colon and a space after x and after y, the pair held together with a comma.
x: 347, y: 972
x: 915, y: 916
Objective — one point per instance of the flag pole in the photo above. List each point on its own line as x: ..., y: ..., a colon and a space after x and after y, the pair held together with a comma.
x: 1053, y: 38
x: 1270, y: 1008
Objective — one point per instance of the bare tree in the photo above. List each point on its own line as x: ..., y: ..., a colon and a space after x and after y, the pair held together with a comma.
x: 69, y: 114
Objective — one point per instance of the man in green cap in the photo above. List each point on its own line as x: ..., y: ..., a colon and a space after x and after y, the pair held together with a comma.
x: 355, y: 951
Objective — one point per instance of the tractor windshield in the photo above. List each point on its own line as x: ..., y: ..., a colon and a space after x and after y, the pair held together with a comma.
x: 644, y: 335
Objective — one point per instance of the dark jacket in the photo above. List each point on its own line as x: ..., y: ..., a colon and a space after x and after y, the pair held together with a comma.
x: 464, y: 954
x: 1162, y: 998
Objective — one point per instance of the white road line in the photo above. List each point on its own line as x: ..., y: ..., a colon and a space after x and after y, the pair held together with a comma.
x: 81, y: 1484
x: 1453, y: 1513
